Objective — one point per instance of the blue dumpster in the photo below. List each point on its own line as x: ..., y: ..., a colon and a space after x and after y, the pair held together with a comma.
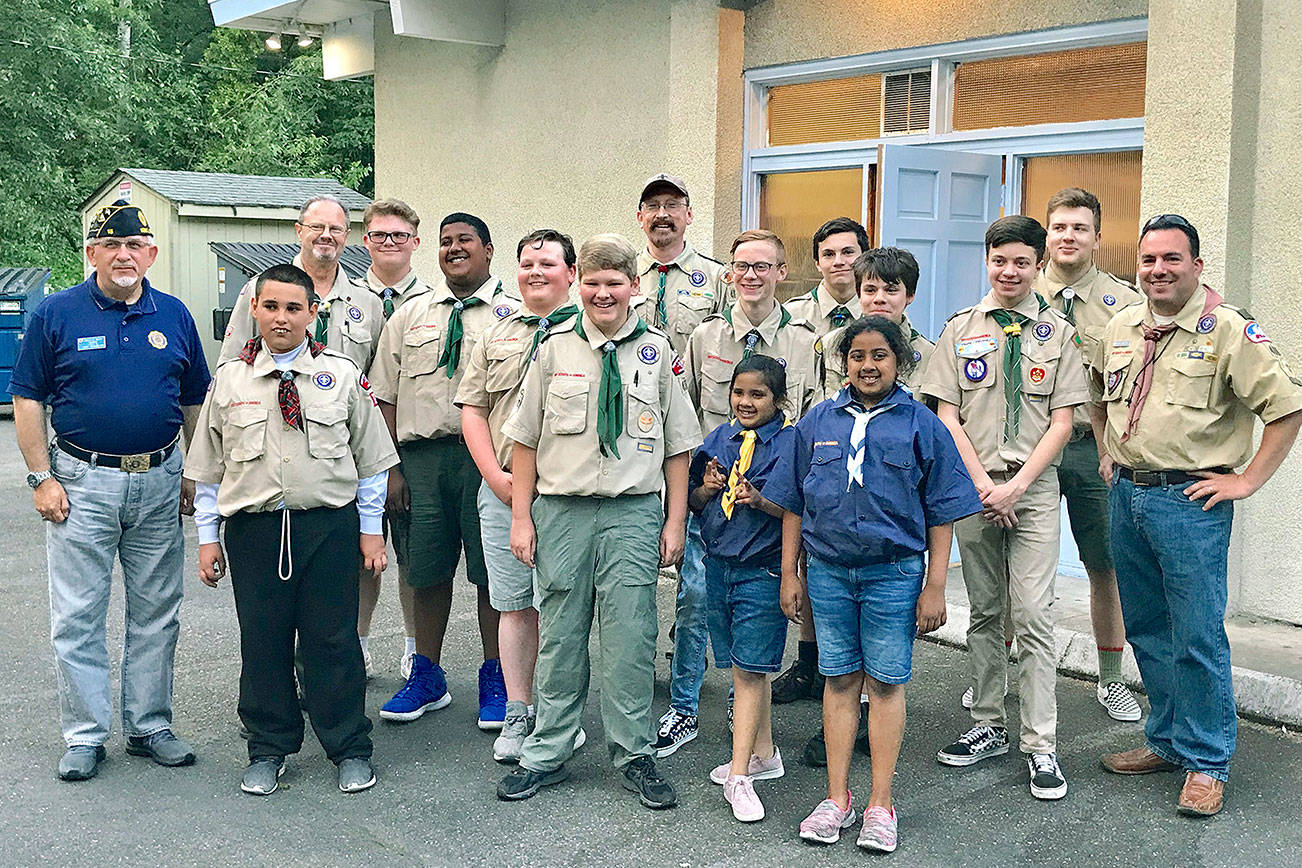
x: 21, y: 289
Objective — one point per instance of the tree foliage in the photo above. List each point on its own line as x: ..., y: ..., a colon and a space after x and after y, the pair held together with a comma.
x: 88, y: 86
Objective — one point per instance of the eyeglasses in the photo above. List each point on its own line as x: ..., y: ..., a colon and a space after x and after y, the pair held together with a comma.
x: 324, y: 229
x: 667, y: 207
x: 760, y: 268
x: 115, y: 244
x: 378, y: 237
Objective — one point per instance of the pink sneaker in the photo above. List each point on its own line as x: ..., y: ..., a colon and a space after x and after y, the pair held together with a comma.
x: 757, y: 770
x: 740, y: 793
x: 879, y: 830
x: 824, y: 825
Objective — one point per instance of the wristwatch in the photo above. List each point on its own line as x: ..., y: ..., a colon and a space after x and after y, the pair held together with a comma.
x: 35, y: 479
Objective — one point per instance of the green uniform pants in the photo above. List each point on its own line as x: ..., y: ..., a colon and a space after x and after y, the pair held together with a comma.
x: 595, y: 555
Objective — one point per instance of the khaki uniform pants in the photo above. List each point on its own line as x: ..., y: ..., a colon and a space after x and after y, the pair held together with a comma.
x: 1016, y: 566
x: 596, y: 556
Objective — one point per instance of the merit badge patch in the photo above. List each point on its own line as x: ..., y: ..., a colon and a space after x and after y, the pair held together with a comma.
x: 324, y: 380
x: 648, y: 353
x: 1042, y: 331
x: 975, y: 370
x: 98, y: 342
x: 158, y: 340
x: 1037, y: 375
x: 1206, y: 324
x: 697, y: 278
x: 1109, y: 299
x: 677, y: 366
x: 1114, y: 379
x: 502, y: 311
x: 1252, y: 331
x: 646, y: 420
x: 354, y: 313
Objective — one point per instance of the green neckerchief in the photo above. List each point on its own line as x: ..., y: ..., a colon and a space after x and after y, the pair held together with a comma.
x: 388, y: 302
x: 610, y: 400
x: 662, y: 311
x: 562, y: 314
x: 753, y: 336
x: 1011, y: 322
x: 322, y: 322
x: 1069, y: 302
x: 451, y: 357
x: 838, y: 315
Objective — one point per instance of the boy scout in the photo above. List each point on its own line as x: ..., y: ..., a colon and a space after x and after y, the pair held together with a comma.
x: 291, y: 451
x: 1007, y: 374
x: 679, y: 286
x: 349, y: 318
x: 755, y: 323
x: 486, y: 396
x: 832, y: 304
x: 417, y: 369
x: 602, y: 424
x: 1181, y: 378
x: 1088, y: 298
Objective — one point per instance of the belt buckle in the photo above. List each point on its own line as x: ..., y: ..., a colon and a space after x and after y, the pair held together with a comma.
x: 1147, y: 478
x: 136, y: 463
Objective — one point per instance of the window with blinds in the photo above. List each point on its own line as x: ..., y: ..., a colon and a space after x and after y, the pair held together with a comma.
x: 906, y: 102
x: 1084, y: 84
x: 843, y: 109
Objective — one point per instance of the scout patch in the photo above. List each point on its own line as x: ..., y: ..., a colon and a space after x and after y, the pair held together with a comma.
x: 1114, y: 379
x: 230, y: 330
x: 502, y: 311
x: 917, y: 356
x: 98, y: 342
x: 697, y: 278
x: 648, y: 353
x: 1206, y: 324
x: 354, y: 313
x: 678, y: 365
x: 975, y: 370
x: 1037, y: 375
x: 366, y: 387
x: 782, y: 362
x: 324, y: 380
x: 1252, y: 331
x: 646, y: 421
x: 975, y: 347
x: 1109, y: 299
x: 645, y: 447
x: 1042, y: 331
x: 158, y: 340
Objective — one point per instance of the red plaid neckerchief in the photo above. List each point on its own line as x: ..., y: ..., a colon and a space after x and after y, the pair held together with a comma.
x: 287, y: 394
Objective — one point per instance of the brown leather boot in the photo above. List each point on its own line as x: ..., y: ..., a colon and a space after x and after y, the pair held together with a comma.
x: 1140, y: 761
x: 1202, y: 795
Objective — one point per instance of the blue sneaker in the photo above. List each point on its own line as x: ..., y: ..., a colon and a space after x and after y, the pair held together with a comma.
x: 426, y: 689
x: 492, y: 695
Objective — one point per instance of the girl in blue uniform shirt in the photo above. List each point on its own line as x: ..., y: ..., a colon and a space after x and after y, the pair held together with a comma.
x: 742, y: 531
x: 872, y: 482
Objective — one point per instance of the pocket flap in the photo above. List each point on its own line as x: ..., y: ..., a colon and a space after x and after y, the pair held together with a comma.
x: 243, y: 417
x: 421, y: 335
x: 325, y: 414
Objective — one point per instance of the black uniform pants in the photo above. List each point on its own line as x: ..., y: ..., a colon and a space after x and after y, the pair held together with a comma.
x: 317, y: 548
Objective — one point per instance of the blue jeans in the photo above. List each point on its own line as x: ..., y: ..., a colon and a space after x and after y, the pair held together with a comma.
x: 1171, y: 566
x: 133, y: 516
x: 866, y: 617
x: 690, y: 630
x: 747, y: 626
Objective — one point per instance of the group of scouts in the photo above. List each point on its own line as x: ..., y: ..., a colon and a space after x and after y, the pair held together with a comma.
x: 807, y: 462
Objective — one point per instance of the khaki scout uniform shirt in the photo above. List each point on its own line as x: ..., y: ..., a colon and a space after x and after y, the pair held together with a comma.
x: 494, y: 375
x: 242, y: 442
x: 815, y: 307
x: 967, y: 370
x: 694, y: 289
x: 356, y: 318
x: 717, y: 346
x: 404, y: 289
x: 406, y: 370
x: 1098, y: 298
x: 556, y: 413
x: 835, y: 362
x: 1210, y: 376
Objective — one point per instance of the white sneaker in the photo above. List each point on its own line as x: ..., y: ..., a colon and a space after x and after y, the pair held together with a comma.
x: 406, y: 664
x: 757, y: 770
x: 968, y: 696
x: 1119, y: 702
x: 370, y: 664
x: 580, y: 739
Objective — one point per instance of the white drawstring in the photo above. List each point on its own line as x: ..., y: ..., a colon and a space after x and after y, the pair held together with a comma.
x: 285, y: 553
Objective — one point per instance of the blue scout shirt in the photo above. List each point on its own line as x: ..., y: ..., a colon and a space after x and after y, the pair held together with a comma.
x: 751, y: 537
x: 913, y: 479
x: 114, y: 375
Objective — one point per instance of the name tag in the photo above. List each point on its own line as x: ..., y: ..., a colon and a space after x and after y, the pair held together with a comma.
x: 1121, y: 343
x: 98, y: 342
x: 974, y: 348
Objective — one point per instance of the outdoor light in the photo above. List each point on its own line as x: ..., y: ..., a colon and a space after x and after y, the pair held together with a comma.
x: 305, y: 41
x: 273, y: 42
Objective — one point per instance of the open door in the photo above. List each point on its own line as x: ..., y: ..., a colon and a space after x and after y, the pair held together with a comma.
x: 937, y: 204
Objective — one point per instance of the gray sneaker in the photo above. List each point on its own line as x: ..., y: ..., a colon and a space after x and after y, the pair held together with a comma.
x: 81, y: 762
x: 263, y: 775
x: 356, y: 774
x: 515, y: 727
x: 162, y: 747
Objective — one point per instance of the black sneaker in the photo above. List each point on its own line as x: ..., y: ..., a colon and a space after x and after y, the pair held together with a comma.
x: 815, y: 752
x: 978, y: 743
x: 798, y: 682
x: 861, y: 738
x: 1047, y: 781
x: 676, y: 729
x: 652, y: 790
x: 522, y: 783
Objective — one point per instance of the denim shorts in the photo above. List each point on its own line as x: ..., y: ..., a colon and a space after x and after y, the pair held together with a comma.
x: 747, y: 627
x: 865, y: 618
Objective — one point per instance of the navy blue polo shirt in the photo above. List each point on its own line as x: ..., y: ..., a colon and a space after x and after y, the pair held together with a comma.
x: 751, y: 537
x: 912, y: 473
x: 114, y: 375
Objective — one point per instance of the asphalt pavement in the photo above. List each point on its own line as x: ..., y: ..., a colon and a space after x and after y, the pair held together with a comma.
x: 435, y: 803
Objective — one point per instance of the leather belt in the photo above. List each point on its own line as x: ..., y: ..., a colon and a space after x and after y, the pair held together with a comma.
x: 138, y: 463
x: 1157, y: 478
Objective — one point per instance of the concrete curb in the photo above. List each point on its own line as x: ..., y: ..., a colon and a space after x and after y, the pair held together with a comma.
x: 1261, y: 696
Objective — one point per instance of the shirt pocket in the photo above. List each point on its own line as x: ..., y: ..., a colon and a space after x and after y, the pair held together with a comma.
x: 420, y: 352
x: 567, y: 406
x: 695, y: 309
x: 826, y: 469
x: 1191, y: 383
x: 1039, y: 367
x: 327, y: 430
x: 244, y: 433
x: 716, y: 383
x: 505, y: 364
x: 978, y: 373
x: 642, y: 418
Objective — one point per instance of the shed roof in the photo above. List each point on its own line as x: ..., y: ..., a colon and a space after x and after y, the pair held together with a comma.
x: 20, y: 281
x: 221, y: 188
x: 255, y: 258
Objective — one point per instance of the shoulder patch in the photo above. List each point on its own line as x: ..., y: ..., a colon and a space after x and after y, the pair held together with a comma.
x: 1254, y: 333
